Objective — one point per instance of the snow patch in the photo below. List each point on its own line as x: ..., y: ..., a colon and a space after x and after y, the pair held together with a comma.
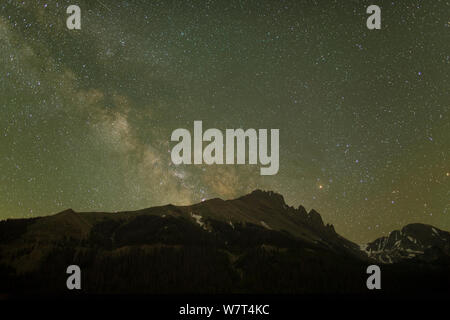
x: 265, y: 225
x: 414, y: 251
x: 198, y: 218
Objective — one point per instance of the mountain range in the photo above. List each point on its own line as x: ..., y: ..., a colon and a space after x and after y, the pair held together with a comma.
x: 252, y: 244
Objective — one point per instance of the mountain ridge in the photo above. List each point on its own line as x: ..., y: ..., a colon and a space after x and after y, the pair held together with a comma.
x: 413, y: 241
x: 255, y: 243
x: 242, y: 209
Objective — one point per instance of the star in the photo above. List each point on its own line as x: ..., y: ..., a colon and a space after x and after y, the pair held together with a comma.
x: 87, y: 115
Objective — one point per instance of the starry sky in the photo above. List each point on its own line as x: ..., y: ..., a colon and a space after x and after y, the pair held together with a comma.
x: 86, y: 115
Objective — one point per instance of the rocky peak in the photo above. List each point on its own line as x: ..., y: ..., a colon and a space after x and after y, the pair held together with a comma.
x: 412, y: 241
x: 315, y: 219
x: 302, y: 211
x: 266, y: 196
x: 330, y: 228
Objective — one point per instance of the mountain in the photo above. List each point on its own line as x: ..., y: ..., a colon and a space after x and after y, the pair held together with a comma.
x: 269, y: 210
x: 413, y: 242
x: 252, y: 244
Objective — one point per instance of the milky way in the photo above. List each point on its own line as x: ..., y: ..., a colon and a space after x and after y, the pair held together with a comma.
x: 86, y: 115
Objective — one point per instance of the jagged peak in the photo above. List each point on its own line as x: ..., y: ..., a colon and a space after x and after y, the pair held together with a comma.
x: 315, y: 218
x: 301, y: 209
x: 268, y: 195
x: 330, y: 228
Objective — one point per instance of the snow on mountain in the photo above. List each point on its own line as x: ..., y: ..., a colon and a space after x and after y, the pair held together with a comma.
x: 414, y: 241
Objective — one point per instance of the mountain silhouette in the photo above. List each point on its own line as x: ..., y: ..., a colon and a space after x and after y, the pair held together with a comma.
x: 252, y: 244
x: 415, y: 241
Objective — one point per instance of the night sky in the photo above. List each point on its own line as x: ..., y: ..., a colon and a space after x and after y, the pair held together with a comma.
x: 86, y: 115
